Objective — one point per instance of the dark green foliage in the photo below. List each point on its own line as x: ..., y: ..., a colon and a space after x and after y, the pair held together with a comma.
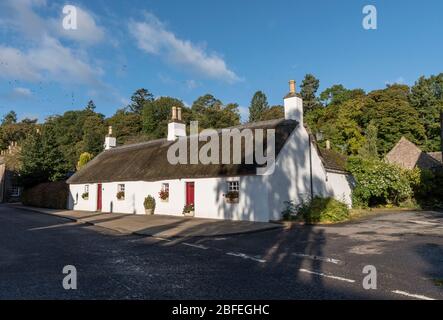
x: 427, y: 98
x: 156, y: 115
x: 308, y: 90
x: 139, y: 99
x: 41, y: 159
x: 125, y: 125
x: 378, y: 182
x: 9, y: 118
x: 429, y: 192
x: 274, y: 112
x: 52, y: 195
x: 259, y: 105
x: 324, y: 210
x: 211, y: 113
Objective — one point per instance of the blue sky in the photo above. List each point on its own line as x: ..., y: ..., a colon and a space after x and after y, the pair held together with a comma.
x: 188, y: 48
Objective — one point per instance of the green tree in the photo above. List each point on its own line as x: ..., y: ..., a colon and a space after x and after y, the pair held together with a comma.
x: 139, y: 99
x: 9, y: 118
x: 84, y: 158
x: 156, y: 115
x: 126, y: 125
x: 274, y: 112
x: 259, y: 105
x: 94, y: 131
x: 90, y: 106
x: 427, y: 98
x: 369, y: 149
x: 338, y: 94
x: 211, y: 113
x: 308, y: 90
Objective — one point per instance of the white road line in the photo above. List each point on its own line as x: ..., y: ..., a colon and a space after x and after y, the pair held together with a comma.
x: 424, y: 222
x: 417, y: 296
x: 199, y: 246
x: 162, y: 239
x: 312, y: 257
x: 245, y: 256
x: 327, y: 275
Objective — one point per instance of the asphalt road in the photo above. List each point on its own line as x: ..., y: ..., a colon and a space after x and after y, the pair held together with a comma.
x: 297, y: 263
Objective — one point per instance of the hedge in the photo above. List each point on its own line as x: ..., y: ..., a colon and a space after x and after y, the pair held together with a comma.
x: 47, y: 195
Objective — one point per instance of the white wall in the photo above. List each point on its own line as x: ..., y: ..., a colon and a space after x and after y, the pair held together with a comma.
x: 209, y: 199
x: 340, y: 187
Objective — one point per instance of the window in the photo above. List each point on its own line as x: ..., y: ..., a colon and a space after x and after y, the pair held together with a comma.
x: 233, y: 186
x: 165, y: 187
x: 87, y: 188
x: 120, y: 192
x: 14, y: 191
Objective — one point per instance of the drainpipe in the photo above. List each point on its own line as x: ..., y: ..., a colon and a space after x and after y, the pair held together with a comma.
x: 310, y: 167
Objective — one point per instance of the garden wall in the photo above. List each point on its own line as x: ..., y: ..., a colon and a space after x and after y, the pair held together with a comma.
x: 47, y: 195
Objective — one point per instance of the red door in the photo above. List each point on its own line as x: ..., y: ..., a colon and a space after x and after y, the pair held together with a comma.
x: 189, y: 193
x: 99, y: 197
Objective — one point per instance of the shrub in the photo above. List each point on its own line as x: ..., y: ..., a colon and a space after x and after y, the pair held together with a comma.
x: 149, y: 202
x: 188, y: 208
x: 324, y: 210
x: 120, y: 195
x: 380, y: 183
x: 47, y: 195
x: 429, y: 192
x: 85, y: 195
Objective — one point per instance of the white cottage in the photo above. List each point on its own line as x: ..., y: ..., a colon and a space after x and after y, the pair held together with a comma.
x: 119, y: 178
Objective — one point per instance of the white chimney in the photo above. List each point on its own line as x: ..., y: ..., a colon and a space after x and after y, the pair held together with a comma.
x: 176, y: 128
x: 293, y: 104
x: 110, y: 141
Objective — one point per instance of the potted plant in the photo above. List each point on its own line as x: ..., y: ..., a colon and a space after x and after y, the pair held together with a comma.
x: 85, y: 195
x: 231, y: 197
x: 149, y: 204
x: 121, y: 195
x: 188, y: 210
x: 164, y: 195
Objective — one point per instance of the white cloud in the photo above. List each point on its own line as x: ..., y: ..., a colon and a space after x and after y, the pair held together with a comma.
x: 153, y: 38
x: 22, y: 92
x: 43, y: 57
x: 48, y: 59
x: 87, y: 29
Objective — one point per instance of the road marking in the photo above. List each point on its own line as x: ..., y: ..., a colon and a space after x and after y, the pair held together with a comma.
x: 424, y: 222
x: 199, y: 246
x: 245, y: 256
x: 327, y: 275
x: 162, y: 239
x: 312, y: 257
x: 418, y: 296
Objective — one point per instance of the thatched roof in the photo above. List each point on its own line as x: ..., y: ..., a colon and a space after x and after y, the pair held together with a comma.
x: 332, y: 160
x: 407, y: 155
x: 148, y: 161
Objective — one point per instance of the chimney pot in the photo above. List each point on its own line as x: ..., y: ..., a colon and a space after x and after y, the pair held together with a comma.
x: 110, y: 131
x: 291, y: 86
x: 174, y: 113
x: 328, y: 144
x: 179, y: 113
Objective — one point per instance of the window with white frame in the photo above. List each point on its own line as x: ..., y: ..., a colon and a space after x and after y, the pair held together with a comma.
x: 165, y: 187
x: 86, y: 188
x: 120, y: 192
x: 233, y: 186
